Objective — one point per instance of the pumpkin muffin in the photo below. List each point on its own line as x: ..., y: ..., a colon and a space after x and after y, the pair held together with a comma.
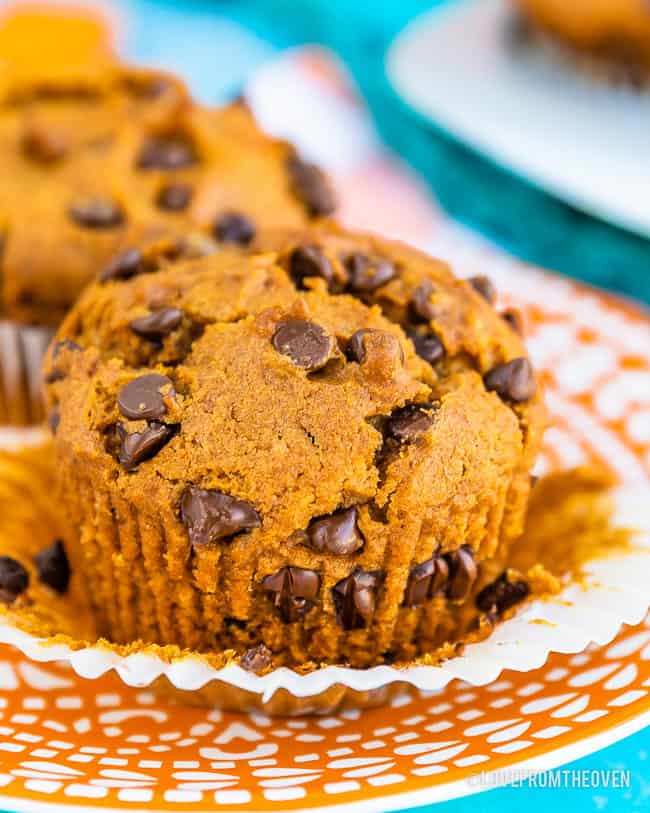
x: 612, y: 37
x: 305, y: 452
x: 98, y: 161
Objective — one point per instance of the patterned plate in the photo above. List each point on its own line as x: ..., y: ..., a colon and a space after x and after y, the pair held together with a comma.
x: 97, y: 745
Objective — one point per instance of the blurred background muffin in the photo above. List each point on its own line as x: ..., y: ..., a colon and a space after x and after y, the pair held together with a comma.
x: 613, y: 34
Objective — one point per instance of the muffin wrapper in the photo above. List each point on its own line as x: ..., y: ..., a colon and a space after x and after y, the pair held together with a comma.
x: 612, y: 591
x: 22, y: 348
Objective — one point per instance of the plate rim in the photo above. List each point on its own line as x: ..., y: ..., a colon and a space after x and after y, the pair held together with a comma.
x: 395, y: 55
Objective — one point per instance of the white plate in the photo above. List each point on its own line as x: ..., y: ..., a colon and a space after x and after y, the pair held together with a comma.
x: 582, y: 140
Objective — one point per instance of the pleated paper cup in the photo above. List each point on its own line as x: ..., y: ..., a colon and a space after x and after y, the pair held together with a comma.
x: 22, y: 348
x: 611, y: 591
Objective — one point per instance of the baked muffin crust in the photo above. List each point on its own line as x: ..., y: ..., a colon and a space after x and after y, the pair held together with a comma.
x: 281, y: 463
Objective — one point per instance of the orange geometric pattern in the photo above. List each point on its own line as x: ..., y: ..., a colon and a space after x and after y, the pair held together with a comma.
x: 101, y: 744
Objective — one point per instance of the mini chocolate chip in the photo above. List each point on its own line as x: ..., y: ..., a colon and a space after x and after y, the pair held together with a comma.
x: 136, y: 447
x: 337, y: 533
x: 514, y: 380
x: 309, y: 261
x: 410, y: 421
x: 501, y: 595
x: 44, y: 146
x: 425, y: 580
x: 142, y: 398
x: 422, y: 308
x: 485, y: 287
x: 54, y: 419
x: 428, y: 346
x: 256, y: 659
x: 462, y: 573
x: 212, y: 516
x: 166, y: 153
x: 14, y: 579
x: 515, y: 319
x: 368, y: 273
x: 304, y: 342
x: 157, y: 324
x: 534, y: 479
x: 96, y: 213
x: 53, y: 567
x: 64, y: 344
x: 233, y: 227
x: 293, y: 591
x: 55, y: 373
x: 174, y: 197
x: 124, y: 266
x: 355, y: 598
x: 310, y: 185
x: 355, y: 349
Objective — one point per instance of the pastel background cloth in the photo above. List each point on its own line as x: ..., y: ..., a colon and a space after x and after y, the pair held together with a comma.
x: 224, y: 46
x: 472, y: 189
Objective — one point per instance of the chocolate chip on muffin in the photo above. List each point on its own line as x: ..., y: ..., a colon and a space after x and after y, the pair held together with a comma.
x: 514, y: 380
x: 304, y: 342
x: 502, y: 594
x: 166, y: 153
x: 174, y: 197
x: 368, y: 273
x: 408, y: 423
x: 145, y: 397
x: 311, y: 186
x: 309, y: 261
x: 428, y: 346
x: 124, y: 266
x: 14, y: 579
x: 337, y: 533
x: 425, y: 580
x: 234, y: 227
x: 355, y: 598
x: 157, y: 324
x: 293, y: 590
x: 462, y: 573
x: 136, y: 447
x: 485, y: 287
x: 53, y: 566
x: 96, y: 213
x: 212, y: 516
x: 256, y: 659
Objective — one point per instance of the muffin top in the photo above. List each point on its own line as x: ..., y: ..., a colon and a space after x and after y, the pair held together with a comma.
x: 95, y: 161
x: 308, y: 417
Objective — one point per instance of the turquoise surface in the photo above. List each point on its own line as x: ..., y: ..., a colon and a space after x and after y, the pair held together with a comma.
x: 217, y: 44
x: 518, y: 216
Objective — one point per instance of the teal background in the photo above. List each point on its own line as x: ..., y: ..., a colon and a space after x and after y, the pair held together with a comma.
x: 217, y: 44
x: 521, y: 218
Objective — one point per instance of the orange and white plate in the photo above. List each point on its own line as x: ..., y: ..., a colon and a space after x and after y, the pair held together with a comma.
x: 74, y: 744
x: 71, y: 743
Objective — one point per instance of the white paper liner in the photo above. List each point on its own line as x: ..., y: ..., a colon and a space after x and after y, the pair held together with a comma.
x: 614, y: 591
x: 22, y: 348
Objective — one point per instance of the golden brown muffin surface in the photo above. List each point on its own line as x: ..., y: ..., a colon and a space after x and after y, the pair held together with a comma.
x: 309, y: 447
